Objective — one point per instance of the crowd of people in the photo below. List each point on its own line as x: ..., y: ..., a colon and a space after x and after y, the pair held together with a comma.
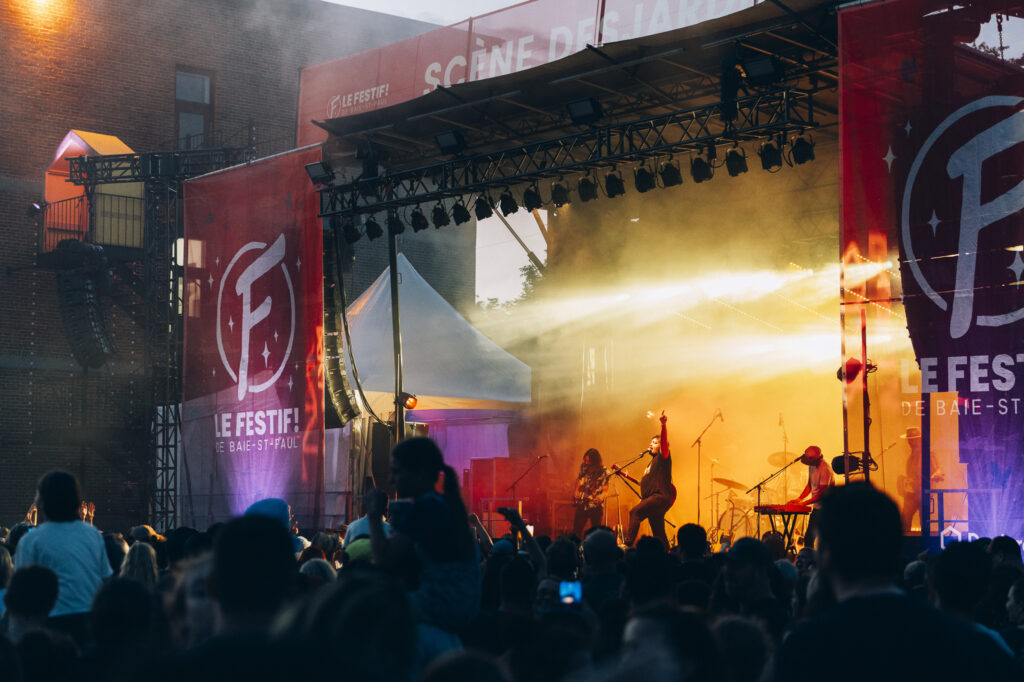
x: 418, y: 590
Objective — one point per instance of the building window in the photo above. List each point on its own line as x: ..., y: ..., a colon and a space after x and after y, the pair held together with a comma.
x: 193, y: 109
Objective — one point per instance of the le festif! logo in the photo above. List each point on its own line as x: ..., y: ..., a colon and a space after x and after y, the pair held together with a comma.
x: 966, y: 163
x: 263, y: 265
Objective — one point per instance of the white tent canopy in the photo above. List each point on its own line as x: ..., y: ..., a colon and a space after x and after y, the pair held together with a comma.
x: 447, y: 363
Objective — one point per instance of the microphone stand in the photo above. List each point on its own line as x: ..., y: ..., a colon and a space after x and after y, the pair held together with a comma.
x: 761, y: 484
x: 512, y: 488
x: 697, y: 443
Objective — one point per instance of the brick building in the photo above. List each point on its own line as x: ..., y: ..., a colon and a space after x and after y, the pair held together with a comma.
x: 174, y: 74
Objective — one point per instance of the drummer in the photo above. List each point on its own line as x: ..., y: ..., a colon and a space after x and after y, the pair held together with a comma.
x: 819, y: 480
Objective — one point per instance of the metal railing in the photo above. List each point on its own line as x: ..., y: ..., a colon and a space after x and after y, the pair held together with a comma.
x: 113, y: 221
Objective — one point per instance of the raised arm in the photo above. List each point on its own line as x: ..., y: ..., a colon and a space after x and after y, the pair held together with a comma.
x: 664, y: 436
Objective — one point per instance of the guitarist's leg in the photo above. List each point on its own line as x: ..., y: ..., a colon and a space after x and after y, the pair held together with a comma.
x: 579, y: 520
x: 596, y: 517
x: 646, y: 509
x: 657, y: 519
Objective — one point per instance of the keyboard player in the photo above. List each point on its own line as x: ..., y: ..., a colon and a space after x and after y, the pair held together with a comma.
x: 819, y: 480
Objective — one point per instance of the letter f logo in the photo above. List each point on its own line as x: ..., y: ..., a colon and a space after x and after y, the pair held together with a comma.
x: 250, y: 318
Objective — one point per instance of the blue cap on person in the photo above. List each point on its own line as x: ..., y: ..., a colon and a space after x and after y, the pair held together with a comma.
x: 278, y: 509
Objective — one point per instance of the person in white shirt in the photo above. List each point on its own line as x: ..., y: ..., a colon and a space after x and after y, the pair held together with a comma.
x: 819, y: 480
x: 66, y: 545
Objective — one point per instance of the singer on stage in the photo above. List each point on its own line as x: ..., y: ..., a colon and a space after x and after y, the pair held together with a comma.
x: 656, y: 491
x: 591, y: 489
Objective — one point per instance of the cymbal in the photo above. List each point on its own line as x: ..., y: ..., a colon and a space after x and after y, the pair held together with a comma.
x: 729, y: 483
x: 781, y: 459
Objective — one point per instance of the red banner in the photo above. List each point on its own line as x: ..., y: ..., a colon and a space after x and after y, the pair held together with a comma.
x: 253, y: 415
x: 931, y: 150
x: 495, y: 44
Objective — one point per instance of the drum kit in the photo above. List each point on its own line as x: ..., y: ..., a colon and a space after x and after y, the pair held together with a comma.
x: 739, y: 519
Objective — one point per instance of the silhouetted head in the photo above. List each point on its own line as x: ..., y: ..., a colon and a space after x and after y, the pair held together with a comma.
x: 416, y: 465
x: 59, y: 497
x: 859, y: 534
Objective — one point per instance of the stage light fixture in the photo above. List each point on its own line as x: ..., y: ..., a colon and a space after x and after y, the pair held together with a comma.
x: 736, y: 161
x: 319, y: 172
x: 373, y: 230
x: 585, y: 111
x: 395, y: 225
x: 614, y: 185
x: 351, y: 232
x: 771, y: 156
x: 801, y: 150
x: 559, y: 194
x: 450, y: 141
x: 440, y: 217
x: 531, y: 198
x: 34, y: 209
x: 408, y: 400
x: 460, y: 214
x: 643, y: 179
x: 670, y: 174
x: 587, y: 189
x: 507, y: 203
x: 762, y: 70
x: 482, y: 207
x: 418, y: 220
x: 700, y: 169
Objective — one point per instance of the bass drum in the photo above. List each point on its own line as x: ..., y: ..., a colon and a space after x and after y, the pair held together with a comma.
x: 736, y: 523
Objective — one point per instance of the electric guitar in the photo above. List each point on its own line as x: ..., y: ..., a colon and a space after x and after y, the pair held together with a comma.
x: 619, y: 472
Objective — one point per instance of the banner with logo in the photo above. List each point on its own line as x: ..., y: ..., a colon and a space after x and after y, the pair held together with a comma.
x: 506, y: 41
x: 253, y: 414
x: 931, y: 128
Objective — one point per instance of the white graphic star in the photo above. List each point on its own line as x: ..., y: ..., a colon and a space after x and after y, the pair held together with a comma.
x: 908, y: 127
x: 1017, y: 268
x: 275, y: 336
x: 298, y: 263
x: 266, y: 355
x: 290, y: 383
x: 210, y: 280
x: 217, y: 260
x: 889, y: 158
x: 213, y: 372
x: 934, y: 222
x: 231, y: 323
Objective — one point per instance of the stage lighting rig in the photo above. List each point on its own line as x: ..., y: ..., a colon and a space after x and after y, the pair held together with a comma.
x: 531, y: 198
x: 643, y: 179
x: 460, y: 214
x: 320, y: 172
x: 585, y: 111
x: 559, y: 194
x: 614, y: 185
x: 587, y: 189
x: 670, y: 174
x: 439, y: 217
x: 507, y: 203
x: 801, y: 150
x: 408, y: 400
x: 395, y: 225
x: 418, y: 220
x: 701, y: 169
x: 373, y: 230
x: 771, y: 156
x: 736, y: 161
x: 450, y: 142
x: 482, y: 207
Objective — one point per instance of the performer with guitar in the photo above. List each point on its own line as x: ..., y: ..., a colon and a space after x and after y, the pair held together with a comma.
x: 591, y: 489
x: 656, y: 491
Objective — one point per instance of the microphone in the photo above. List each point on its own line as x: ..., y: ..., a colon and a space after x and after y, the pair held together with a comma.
x: 540, y: 457
x: 646, y: 452
x: 720, y: 415
x: 797, y: 459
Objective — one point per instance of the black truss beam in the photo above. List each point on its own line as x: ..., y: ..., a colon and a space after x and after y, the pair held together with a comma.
x: 759, y: 116
x: 153, y: 166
